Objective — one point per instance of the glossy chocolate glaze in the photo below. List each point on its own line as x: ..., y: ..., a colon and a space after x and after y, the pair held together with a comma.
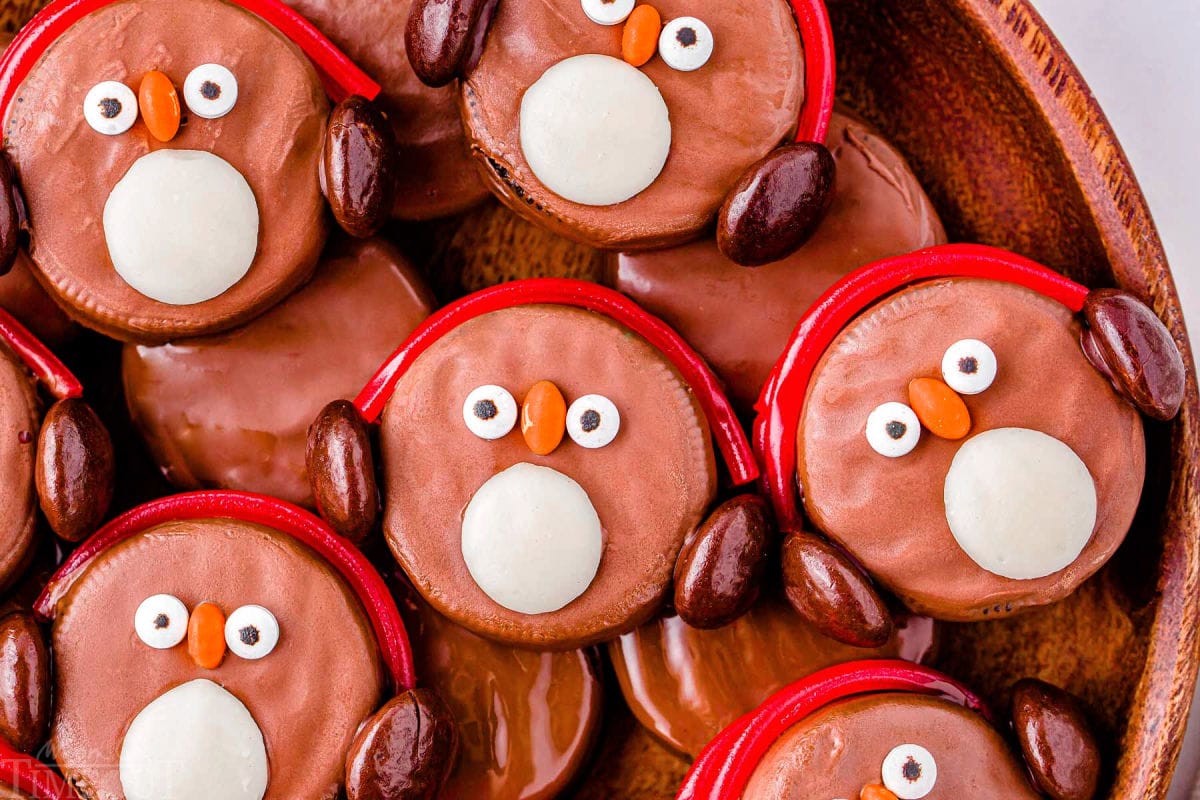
x: 272, y: 136
x: 526, y: 720
x: 685, y: 685
x: 308, y: 696
x: 433, y: 466
x: 725, y: 116
x: 740, y: 319
x: 889, y: 513
x: 840, y: 749
x: 437, y: 176
x: 233, y: 410
x: 25, y: 299
x: 20, y: 419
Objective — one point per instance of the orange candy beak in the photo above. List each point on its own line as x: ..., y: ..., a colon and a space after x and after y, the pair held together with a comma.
x: 873, y: 791
x: 543, y: 418
x: 159, y: 104
x: 639, y: 40
x: 206, y: 636
x: 939, y: 408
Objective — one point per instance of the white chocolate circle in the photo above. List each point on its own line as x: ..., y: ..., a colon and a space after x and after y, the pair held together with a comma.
x: 124, y: 119
x: 494, y: 427
x: 215, y: 107
x: 265, y: 626
x: 608, y: 12
x: 145, y: 621
x: 595, y: 130
x: 531, y: 539
x: 194, y: 742
x: 898, y: 783
x: 685, y: 57
x: 880, y: 438
x: 181, y: 226
x: 602, y: 434
x: 1020, y: 503
x: 983, y: 359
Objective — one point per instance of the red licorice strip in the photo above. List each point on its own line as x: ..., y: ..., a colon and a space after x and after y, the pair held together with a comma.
x: 783, y: 395
x: 820, y: 69
x: 725, y: 765
x: 340, y: 76
x: 45, y: 365
x: 30, y: 776
x: 271, y: 513
x: 731, y: 439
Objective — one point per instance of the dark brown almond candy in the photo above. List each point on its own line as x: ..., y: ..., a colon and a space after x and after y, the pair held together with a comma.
x: 832, y: 593
x: 443, y: 36
x: 777, y: 204
x: 359, y: 167
x: 341, y: 469
x: 10, y: 216
x: 1129, y: 344
x: 405, y: 751
x: 719, y: 571
x: 1056, y: 740
x: 25, y: 676
x: 75, y: 469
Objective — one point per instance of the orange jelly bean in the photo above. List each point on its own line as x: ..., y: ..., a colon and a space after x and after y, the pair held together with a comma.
x: 873, y: 791
x: 206, y: 636
x: 639, y: 41
x: 939, y: 408
x: 159, y: 103
x: 543, y: 418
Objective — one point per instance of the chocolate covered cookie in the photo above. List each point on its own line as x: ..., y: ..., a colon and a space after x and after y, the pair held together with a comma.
x: 174, y: 157
x: 232, y: 410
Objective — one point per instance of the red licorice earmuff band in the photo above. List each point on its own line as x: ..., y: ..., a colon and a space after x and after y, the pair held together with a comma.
x: 28, y: 775
x: 782, y: 399
x: 820, y: 67
x: 731, y: 440
x: 725, y: 765
x: 352, y: 565
x: 340, y: 76
x: 45, y: 365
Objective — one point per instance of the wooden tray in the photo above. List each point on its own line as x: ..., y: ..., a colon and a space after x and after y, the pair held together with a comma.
x: 1014, y: 151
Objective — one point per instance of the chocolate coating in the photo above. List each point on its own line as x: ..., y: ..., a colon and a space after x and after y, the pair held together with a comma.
x: 740, y: 319
x: 685, y: 684
x: 25, y: 667
x: 831, y: 592
x: 20, y: 416
x: 436, y: 175
x: 433, y: 465
x: 840, y: 749
x: 890, y: 513
x: 720, y: 569
x: 23, y: 297
x: 309, y: 696
x: 526, y: 719
x: 233, y: 410
x: 724, y: 117
x: 1055, y: 738
x: 273, y: 137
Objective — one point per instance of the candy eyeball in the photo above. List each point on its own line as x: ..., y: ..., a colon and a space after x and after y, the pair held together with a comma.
x: 110, y: 108
x: 969, y: 366
x: 161, y: 621
x: 607, y: 12
x: 593, y: 421
x: 251, y: 632
x: 210, y: 91
x: 685, y: 44
x: 893, y: 430
x: 909, y: 772
x: 490, y: 412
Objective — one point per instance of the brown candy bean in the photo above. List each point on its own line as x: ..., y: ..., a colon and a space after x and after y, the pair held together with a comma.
x: 341, y: 469
x: 1129, y: 344
x: 444, y: 38
x: 359, y: 167
x: 11, y: 213
x: 25, y: 671
x: 1055, y: 738
x: 719, y: 571
x: 777, y: 204
x: 75, y: 468
x: 405, y: 751
x: 833, y: 594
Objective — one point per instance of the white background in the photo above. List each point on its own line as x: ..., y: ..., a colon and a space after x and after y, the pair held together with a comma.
x: 1142, y: 61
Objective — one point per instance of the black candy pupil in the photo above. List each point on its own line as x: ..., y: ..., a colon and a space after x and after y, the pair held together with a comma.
x: 210, y: 90
x: 248, y: 635
x: 161, y: 621
x: 968, y: 365
x: 896, y: 429
x: 911, y: 770
x: 589, y: 420
x: 110, y: 107
x: 686, y: 36
x: 485, y: 409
